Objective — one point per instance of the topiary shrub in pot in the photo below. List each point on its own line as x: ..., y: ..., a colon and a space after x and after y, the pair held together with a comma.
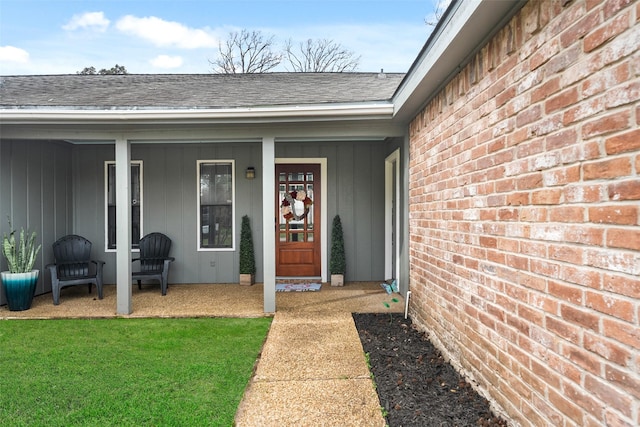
x: 19, y: 283
x: 247, y: 256
x: 337, y: 262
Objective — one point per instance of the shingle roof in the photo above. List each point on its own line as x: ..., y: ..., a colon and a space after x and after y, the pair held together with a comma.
x: 194, y: 91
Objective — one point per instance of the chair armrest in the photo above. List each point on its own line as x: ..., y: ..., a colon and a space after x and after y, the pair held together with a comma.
x: 99, y: 264
x: 53, y: 270
x: 170, y: 258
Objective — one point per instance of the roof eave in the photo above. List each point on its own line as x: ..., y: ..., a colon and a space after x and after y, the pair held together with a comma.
x: 297, y: 113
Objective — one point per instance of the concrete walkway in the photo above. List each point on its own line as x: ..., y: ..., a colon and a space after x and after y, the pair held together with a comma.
x: 312, y: 371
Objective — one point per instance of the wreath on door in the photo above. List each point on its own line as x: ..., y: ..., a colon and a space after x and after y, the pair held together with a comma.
x: 288, y: 205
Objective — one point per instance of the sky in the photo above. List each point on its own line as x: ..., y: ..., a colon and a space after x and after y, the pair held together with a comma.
x: 183, y: 36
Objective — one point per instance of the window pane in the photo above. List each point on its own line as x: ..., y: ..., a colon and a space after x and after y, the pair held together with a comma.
x: 215, y: 184
x: 136, y: 205
x: 296, y: 237
x: 135, y: 184
x: 216, y: 227
x: 111, y: 199
x: 216, y: 205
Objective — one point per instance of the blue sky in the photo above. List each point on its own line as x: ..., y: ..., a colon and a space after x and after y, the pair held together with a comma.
x: 182, y: 36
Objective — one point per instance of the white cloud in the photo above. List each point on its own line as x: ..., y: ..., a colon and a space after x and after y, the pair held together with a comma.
x: 166, y: 33
x: 166, y: 61
x: 88, y: 20
x: 13, y: 54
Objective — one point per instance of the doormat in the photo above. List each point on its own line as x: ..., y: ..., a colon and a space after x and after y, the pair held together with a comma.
x: 298, y: 287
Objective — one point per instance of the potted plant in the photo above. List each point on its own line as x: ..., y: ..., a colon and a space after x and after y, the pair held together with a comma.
x: 19, y: 283
x: 337, y: 262
x: 247, y: 256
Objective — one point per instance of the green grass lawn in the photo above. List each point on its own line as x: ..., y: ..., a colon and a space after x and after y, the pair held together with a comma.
x: 126, y: 372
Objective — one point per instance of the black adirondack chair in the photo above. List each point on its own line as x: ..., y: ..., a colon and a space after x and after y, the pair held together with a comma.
x: 154, y: 260
x: 72, y: 255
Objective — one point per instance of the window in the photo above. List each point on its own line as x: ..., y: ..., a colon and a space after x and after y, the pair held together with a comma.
x: 136, y: 204
x: 216, y: 197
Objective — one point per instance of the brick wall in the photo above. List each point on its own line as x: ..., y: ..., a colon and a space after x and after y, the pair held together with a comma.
x: 525, y: 213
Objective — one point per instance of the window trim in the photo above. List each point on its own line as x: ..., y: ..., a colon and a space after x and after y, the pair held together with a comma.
x: 107, y: 163
x: 233, y: 205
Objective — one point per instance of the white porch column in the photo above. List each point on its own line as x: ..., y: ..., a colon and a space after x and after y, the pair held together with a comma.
x: 268, y: 223
x: 123, y: 226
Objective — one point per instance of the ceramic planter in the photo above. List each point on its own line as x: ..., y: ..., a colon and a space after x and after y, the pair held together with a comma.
x: 19, y: 289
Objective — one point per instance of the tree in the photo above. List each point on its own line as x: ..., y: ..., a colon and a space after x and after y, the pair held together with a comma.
x: 246, y: 52
x: 87, y: 71
x: 318, y: 56
x: 117, y: 69
x: 438, y: 12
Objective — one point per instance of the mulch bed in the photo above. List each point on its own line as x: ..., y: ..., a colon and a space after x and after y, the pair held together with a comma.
x: 416, y: 386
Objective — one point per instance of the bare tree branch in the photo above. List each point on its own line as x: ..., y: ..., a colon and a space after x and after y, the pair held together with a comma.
x: 440, y: 7
x: 246, y: 52
x: 317, y: 56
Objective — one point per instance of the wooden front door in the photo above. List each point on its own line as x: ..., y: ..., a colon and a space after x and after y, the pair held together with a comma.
x: 298, y: 226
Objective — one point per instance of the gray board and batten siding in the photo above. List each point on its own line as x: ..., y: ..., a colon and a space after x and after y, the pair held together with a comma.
x: 355, y: 191
x: 36, y: 193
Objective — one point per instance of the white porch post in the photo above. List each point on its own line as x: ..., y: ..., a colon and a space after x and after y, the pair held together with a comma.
x: 268, y: 224
x: 123, y: 226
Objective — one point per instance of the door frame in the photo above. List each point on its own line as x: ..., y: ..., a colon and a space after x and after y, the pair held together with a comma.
x: 391, y: 233
x: 322, y: 161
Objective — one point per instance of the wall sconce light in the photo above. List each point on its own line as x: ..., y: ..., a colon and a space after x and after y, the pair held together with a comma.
x: 250, y: 173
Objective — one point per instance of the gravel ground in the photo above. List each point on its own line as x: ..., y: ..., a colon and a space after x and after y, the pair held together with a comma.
x: 416, y: 386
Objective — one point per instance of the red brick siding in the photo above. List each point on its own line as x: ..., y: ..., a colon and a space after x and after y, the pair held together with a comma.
x: 525, y: 214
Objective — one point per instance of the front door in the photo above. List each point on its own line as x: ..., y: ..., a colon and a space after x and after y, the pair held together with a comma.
x: 298, y: 226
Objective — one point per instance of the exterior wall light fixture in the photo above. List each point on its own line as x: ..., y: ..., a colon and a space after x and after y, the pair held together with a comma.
x: 250, y: 173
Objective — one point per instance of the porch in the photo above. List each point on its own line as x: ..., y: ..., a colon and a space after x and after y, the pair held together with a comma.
x: 116, y: 172
x: 209, y: 300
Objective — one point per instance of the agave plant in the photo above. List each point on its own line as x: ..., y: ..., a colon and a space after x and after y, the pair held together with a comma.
x: 21, y: 255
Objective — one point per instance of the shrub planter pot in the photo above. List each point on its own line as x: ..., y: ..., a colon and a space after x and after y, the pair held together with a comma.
x: 19, y: 289
x: 337, y: 280
x: 247, y: 279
